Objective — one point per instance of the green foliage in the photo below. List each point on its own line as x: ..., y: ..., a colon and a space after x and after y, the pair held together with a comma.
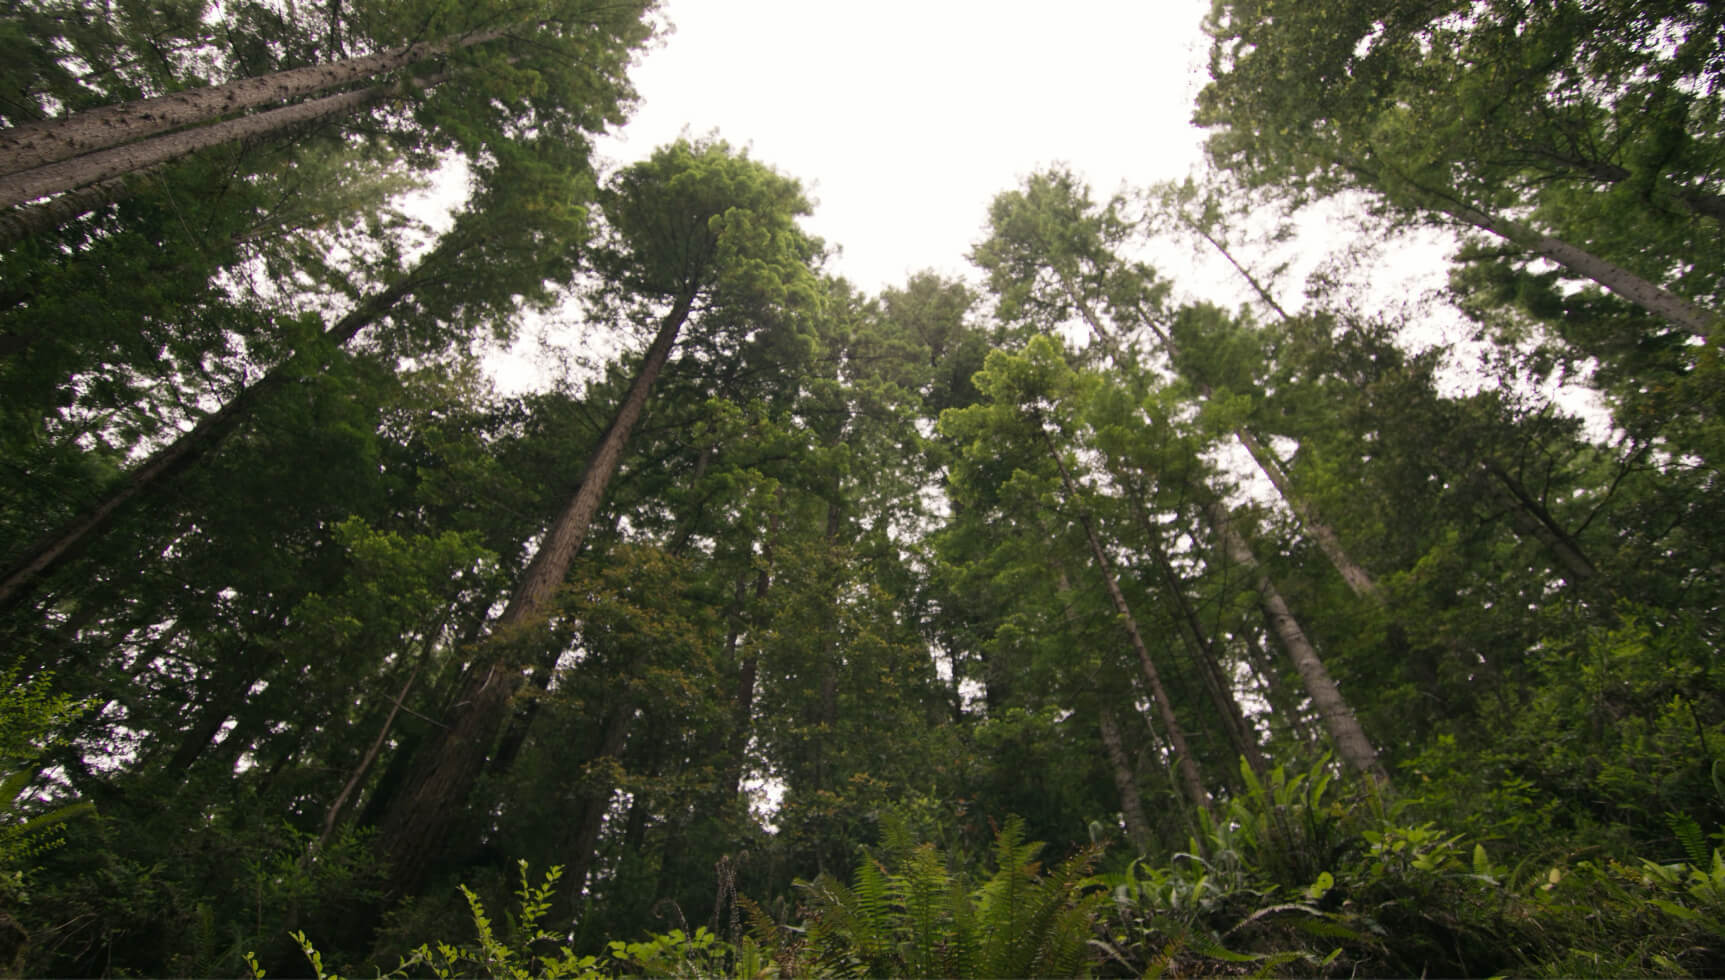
x: 33, y: 717
x: 907, y: 914
x: 526, y: 949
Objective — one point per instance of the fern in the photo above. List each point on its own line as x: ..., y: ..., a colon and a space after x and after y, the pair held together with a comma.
x: 917, y: 919
x: 1689, y: 834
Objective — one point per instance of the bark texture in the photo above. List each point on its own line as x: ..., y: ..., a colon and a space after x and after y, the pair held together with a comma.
x: 39, y: 144
x: 103, y: 165
x: 1355, y: 749
x: 414, y: 829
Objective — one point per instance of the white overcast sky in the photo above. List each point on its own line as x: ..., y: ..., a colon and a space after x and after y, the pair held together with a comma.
x: 905, y: 117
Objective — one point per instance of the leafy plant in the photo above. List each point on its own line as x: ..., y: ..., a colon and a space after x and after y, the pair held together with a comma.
x: 908, y: 915
x: 31, y: 716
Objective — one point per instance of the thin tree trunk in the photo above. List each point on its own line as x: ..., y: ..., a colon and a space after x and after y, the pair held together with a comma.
x: 52, y: 549
x: 38, y: 144
x: 1352, y: 745
x: 21, y: 223
x: 420, y: 817
x: 1534, y: 520
x: 742, y: 720
x: 1217, y: 684
x: 1131, y: 799
x: 1650, y: 296
x: 1188, y: 766
x: 1352, y: 573
x: 1125, y: 781
x: 1331, y: 545
x: 582, y: 849
x: 361, y: 771
x: 1284, y: 710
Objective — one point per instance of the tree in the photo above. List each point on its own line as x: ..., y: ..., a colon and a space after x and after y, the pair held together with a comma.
x: 453, y: 282
x: 694, y: 226
x: 546, y: 73
x: 1471, y: 114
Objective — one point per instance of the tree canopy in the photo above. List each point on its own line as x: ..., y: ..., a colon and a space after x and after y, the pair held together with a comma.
x: 1065, y: 619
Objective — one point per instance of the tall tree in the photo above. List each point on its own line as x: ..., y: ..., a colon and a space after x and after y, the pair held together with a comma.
x: 1475, y: 113
x: 549, y: 70
x: 693, y: 226
x: 455, y: 284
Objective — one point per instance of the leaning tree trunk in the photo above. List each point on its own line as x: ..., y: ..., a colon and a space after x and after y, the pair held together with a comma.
x: 54, y: 548
x: 1350, y: 570
x: 1190, y: 778
x: 21, y: 223
x: 1131, y: 799
x: 38, y: 144
x: 104, y: 165
x: 1650, y: 296
x: 583, y: 845
x: 419, y: 819
x: 1119, y: 763
x: 1191, y: 629
x: 1532, y: 519
x: 1352, y: 745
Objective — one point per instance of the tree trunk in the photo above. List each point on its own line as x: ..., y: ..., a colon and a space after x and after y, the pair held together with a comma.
x: 103, y: 165
x: 743, y: 712
x: 1351, y: 743
x: 595, y: 800
x: 1534, y: 520
x: 1125, y: 780
x: 419, y: 819
x: 21, y: 223
x: 38, y: 144
x: 52, y: 549
x: 361, y: 771
x: 1357, y: 577
x: 1351, y: 572
x: 515, y: 735
x: 1216, y: 683
x: 1189, y: 776
x: 1634, y: 289
x: 1131, y: 800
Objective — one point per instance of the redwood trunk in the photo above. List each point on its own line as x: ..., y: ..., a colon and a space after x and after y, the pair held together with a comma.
x: 1357, y: 578
x: 1533, y: 519
x: 1131, y: 800
x: 1219, y: 686
x: 419, y: 819
x: 742, y: 721
x: 56, y: 178
x: 1189, y: 776
x: 595, y: 800
x: 361, y: 771
x: 22, y: 223
x: 1618, y: 280
x: 1352, y: 745
x: 39, y: 144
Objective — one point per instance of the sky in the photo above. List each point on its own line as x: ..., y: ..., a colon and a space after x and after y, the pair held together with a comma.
x: 905, y: 117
